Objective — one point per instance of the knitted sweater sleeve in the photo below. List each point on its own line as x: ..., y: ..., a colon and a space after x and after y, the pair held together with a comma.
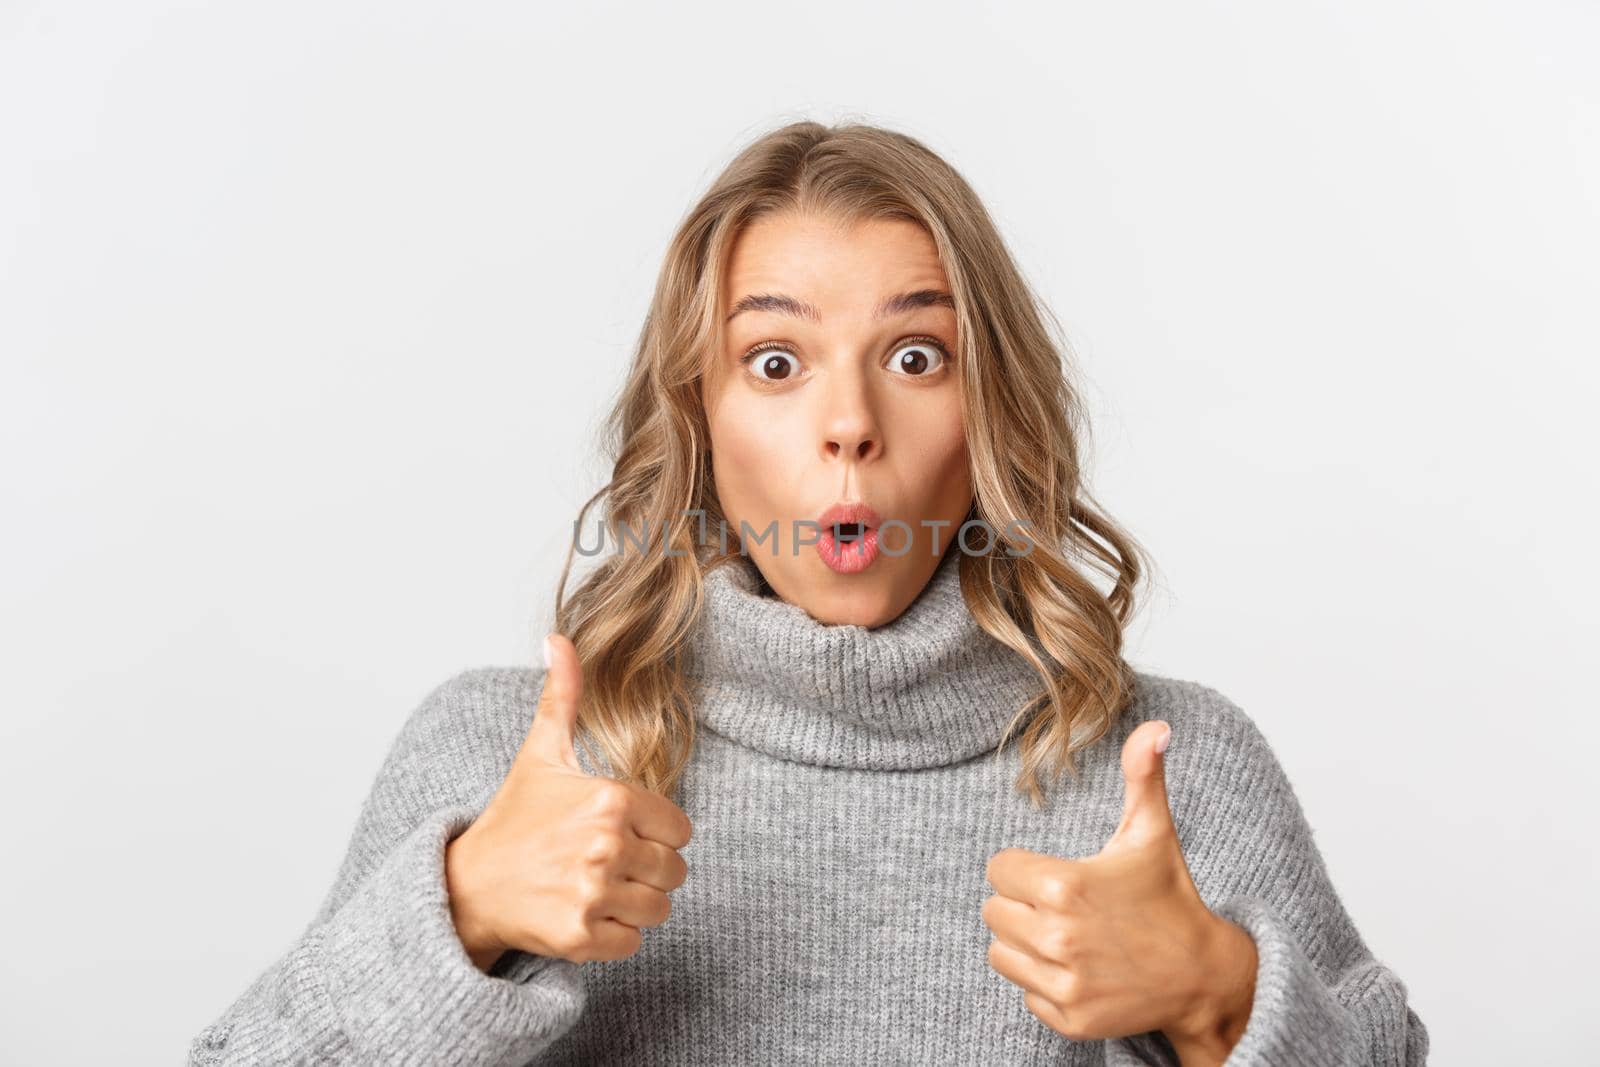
x: 380, y: 975
x: 1321, y: 998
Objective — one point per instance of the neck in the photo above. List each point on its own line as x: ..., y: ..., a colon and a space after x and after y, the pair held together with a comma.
x: 926, y: 689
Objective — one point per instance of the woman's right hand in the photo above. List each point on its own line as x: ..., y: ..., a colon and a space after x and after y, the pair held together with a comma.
x: 563, y: 863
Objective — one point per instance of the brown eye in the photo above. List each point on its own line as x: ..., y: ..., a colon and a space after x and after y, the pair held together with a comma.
x: 917, y: 359
x: 772, y: 364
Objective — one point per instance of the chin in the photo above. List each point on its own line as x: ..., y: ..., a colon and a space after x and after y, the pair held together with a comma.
x: 864, y: 599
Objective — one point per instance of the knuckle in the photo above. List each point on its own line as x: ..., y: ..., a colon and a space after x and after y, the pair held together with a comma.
x: 1041, y: 1008
x: 1058, y: 892
x: 1056, y: 943
x: 590, y: 891
x: 1084, y: 1025
x: 1062, y: 989
x: 572, y: 941
x: 612, y: 799
x: 605, y: 849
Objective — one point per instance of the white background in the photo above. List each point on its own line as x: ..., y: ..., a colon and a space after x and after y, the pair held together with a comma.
x: 309, y: 312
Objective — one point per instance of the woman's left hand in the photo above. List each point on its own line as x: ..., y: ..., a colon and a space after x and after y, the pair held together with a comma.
x: 1120, y: 943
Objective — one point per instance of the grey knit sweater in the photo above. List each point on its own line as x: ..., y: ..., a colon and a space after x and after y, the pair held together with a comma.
x: 845, y: 801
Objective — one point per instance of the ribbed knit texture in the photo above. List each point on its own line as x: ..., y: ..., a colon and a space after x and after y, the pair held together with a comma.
x: 845, y: 801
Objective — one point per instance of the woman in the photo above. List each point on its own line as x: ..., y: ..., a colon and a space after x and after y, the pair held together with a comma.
x: 848, y: 619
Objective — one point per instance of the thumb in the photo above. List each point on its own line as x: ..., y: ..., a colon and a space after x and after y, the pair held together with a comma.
x: 1145, y: 812
x: 556, y: 719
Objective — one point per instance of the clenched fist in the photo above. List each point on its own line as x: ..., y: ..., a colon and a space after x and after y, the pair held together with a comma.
x: 1120, y: 942
x: 563, y: 863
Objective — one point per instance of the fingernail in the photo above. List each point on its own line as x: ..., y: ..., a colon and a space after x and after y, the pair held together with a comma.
x: 1161, y: 742
x: 546, y: 651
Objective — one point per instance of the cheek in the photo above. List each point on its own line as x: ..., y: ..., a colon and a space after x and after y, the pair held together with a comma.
x: 942, y: 458
x: 755, y: 452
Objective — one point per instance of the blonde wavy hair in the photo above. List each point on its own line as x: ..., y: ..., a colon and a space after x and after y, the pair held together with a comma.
x: 631, y: 616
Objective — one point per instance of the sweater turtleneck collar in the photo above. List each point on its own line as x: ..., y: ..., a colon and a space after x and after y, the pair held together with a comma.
x: 926, y: 689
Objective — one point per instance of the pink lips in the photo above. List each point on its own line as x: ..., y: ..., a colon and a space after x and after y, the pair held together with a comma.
x: 847, y: 554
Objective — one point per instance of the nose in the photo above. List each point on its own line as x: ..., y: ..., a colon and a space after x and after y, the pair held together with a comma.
x: 850, y: 426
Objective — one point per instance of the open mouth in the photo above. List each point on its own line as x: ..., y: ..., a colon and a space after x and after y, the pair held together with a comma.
x: 848, y: 540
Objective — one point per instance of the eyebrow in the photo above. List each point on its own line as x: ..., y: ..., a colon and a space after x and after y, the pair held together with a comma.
x: 894, y: 305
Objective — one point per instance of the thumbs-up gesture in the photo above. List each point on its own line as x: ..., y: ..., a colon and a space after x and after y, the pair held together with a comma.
x: 1120, y: 942
x: 560, y: 862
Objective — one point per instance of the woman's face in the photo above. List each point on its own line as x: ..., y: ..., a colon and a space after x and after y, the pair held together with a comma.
x: 830, y: 389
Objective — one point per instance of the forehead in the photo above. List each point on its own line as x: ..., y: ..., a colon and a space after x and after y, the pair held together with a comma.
x: 829, y: 262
